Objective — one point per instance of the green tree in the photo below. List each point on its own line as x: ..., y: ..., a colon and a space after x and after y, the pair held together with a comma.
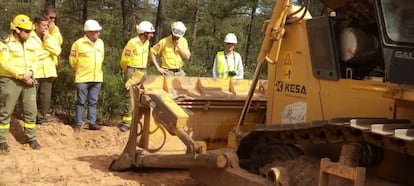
x: 207, y: 21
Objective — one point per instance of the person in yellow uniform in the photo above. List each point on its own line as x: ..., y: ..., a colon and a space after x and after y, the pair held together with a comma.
x: 86, y: 58
x: 48, y: 75
x: 135, y: 58
x: 228, y: 63
x: 51, y: 14
x: 173, y: 50
x: 45, y: 72
x: 16, y: 81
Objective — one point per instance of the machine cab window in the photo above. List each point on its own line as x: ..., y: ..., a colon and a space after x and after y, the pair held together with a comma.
x: 398, y: 18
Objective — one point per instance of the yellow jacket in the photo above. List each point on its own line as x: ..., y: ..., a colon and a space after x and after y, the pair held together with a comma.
x: 46, y: 53
x: 135, y: 54
x: 55, y: 32
x: 21, y: 58
x: 171, y: 59
x: 86, y: 59
x: 4, y: 52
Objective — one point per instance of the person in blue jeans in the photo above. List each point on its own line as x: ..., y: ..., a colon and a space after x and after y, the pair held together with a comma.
x: 87, y: 92
x: 86, y: 58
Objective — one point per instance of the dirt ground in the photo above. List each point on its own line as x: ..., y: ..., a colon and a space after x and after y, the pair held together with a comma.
x: 80, y: 159
x: 67, y: 158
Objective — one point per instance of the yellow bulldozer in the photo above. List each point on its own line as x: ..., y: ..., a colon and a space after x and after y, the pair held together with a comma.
x: 336, y: 81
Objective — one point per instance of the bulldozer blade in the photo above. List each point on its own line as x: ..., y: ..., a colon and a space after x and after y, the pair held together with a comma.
x: 232, y: 174
x: 124, y: 162
x: 227, y: 176
x: 213, y: 159
x: 127, y: 158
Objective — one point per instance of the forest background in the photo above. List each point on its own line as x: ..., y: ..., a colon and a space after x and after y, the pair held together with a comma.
x: 207, y: 22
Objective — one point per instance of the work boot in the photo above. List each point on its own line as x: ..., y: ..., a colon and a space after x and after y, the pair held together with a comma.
x: 94, y: 127
x: 4, y: 147
x: 34, y: 145
x: 123, y: 128
x: 76, y: 128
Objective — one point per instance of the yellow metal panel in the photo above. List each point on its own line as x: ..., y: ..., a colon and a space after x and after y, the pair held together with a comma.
x: 293, y: 95
x: 153, y: 82
x: 404, y: 109
x: 342, y: 99
x: 210, y: 87
x: 177, y: 86
x: 241, y: 87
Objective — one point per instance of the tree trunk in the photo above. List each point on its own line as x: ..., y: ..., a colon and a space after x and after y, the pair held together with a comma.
x: 50, y: 3
x: 127, y: 17
x: 196, y: 18
x: 85, y: 11
x: 160, y: 20
x: 249, y: 33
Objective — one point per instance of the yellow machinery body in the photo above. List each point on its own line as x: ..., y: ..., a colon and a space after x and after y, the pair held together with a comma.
x: 213, y: 107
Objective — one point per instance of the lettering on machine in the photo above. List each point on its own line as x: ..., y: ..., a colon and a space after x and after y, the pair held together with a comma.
x: 290, y: 87
x: 404, y: 55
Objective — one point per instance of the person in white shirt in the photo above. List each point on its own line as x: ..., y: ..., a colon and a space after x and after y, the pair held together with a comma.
x: 228, y: 63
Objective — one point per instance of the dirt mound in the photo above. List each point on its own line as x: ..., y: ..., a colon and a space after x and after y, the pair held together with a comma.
x: 67, y: 158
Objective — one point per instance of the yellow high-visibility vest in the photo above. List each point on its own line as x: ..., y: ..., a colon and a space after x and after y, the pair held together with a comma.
x: 225, y: 65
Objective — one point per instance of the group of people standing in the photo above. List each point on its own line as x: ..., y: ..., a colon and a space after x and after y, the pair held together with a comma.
x: 174, y: 52
x: 29, y: 57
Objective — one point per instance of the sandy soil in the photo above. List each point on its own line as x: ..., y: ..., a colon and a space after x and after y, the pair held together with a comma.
x: 80, y: 159
x: 67, y: 158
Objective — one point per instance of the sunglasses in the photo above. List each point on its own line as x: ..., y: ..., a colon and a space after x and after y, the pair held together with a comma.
x: 51, y: 17
x: 24, y: 30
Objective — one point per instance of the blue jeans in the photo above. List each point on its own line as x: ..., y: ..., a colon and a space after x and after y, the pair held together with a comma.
x: 89, y: 92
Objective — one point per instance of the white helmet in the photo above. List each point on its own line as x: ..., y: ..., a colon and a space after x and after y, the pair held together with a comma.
x: 145, y: 26
x: 92, y: 25
x: 178, y: 29
x: 230, y: 38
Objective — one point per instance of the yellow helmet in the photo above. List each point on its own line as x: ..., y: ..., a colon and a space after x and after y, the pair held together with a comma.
x: 21, y: 21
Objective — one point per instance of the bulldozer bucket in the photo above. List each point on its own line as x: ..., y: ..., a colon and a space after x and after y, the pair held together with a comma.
x: 180, y: 118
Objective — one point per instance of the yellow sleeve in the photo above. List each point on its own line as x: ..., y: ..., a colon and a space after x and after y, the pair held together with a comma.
x: 73, y: 57
x: 56, y: 34
x: 126, y: 56
x: 157, y: 48
x: 51, y: 44
x: 184, y: 46
x: 4, y: 55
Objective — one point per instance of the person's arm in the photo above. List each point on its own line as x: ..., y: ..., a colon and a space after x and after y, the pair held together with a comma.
x: 181, y: 46
x: 73, y: 57
x: 126, y: 56
x: 157, y: 66
x: 51, y: 44
x: 185, y: 54
x: 215, y: 67
x: 239, y: 67
x: 155, y: 50
x: 55, y: 32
